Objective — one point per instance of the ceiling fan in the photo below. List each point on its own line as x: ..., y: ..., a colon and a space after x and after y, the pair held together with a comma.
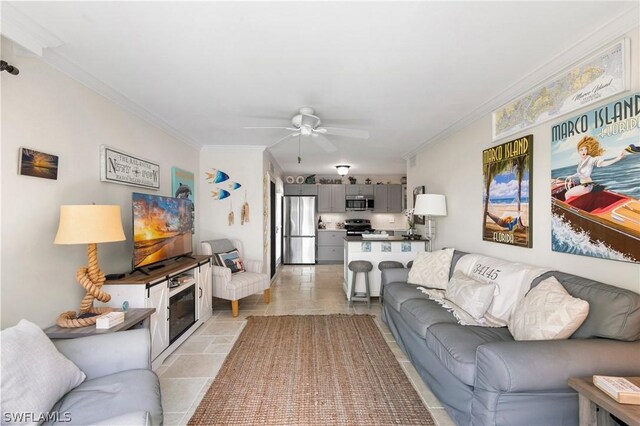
x: 305, y: 123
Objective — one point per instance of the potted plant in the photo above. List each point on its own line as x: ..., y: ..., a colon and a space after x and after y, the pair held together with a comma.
x: 352, y: 180
x: 410, y: 222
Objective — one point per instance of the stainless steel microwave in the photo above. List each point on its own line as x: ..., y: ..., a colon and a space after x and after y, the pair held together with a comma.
x: 358, y: 203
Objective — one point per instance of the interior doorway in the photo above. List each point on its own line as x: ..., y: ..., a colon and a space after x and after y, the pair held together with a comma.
x: 272, y: 218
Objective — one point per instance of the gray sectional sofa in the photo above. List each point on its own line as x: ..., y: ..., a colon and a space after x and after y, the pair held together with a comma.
x: 483, y: 376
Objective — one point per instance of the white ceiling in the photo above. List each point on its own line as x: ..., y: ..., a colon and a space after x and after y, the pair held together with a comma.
x: 405, y: 72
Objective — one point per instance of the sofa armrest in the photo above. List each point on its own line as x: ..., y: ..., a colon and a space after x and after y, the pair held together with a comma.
x: 221, y: 273
x: 394, y: 275
x: 530, y: 366
x: 109, y: 353
x: 253, y: 265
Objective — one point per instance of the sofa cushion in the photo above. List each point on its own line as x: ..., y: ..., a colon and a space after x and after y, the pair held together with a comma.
x: 455, y: 346
x: 547, y: 312
x: 395, y: 294
x: 431, y: 269
x: 34, y: 374
x: 113, y: 395
x: 420, y: 314
x: 614, y: 313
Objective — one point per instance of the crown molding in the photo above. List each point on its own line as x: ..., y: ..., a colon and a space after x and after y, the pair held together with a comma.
x: 601, y: 36
x: 24, y: 31
x: 27, y: 33
x: 60, y: 62
x: 236, y: 147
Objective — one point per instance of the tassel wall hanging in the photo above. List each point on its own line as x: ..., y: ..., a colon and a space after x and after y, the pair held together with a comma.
x: 231, y: 215
x: 244, y: 213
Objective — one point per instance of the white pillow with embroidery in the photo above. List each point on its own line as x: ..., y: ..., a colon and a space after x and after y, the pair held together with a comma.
x: 431, y: 269
x: 474, y: 297
x: 548, y: 312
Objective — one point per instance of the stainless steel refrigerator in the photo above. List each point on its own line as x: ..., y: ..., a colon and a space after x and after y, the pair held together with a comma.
x: 299, y: 230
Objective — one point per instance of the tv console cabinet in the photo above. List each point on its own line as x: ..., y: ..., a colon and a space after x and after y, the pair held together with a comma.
x: 156, y: 291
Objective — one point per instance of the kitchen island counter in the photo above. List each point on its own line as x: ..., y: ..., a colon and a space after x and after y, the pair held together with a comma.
x: 376, y: 250
x: 358, y: 238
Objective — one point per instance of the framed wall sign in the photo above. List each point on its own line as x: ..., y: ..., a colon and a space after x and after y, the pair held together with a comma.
x: 597, y: 77
x: 38, y: 164
x: 506, y: 170
x: 120, y: 167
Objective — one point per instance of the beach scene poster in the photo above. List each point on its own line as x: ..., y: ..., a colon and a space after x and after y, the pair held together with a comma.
x: 182, y: 187
x: 507, y: 192
x: 595, y: 182
x: 38, y: 164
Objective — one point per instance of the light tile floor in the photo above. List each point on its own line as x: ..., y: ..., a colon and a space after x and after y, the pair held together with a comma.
x: 186, y: 374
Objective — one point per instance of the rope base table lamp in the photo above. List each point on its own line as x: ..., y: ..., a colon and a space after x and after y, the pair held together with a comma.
x: 88, y: 224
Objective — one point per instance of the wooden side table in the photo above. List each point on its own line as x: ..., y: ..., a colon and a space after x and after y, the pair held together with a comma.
x: 594, y: 405
x: 132, y: 318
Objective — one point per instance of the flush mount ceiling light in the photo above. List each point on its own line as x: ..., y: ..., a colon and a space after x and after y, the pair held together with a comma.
x: 343, y: 169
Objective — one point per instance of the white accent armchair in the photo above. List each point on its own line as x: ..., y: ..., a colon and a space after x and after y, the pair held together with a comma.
x: 233, y: 287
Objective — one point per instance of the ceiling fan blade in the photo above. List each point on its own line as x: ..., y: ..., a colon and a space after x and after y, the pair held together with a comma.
x: 291, y: 135
x: 324, y: 143
x: 350, y: 133
x: 285, y: 128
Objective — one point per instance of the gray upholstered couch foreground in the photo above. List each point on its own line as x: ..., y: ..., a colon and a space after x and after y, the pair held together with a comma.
x: 483, y: 377
x: 120, y: 388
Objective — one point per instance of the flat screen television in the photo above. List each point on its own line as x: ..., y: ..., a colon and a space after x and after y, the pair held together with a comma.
x: 161, y: 229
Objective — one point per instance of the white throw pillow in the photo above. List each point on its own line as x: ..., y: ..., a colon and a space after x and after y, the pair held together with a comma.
x: 471, y: 295
x: 548, y: 312
x: 431, y: 269
x: 34, y: 374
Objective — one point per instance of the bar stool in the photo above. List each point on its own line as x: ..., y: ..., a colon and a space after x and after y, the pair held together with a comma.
x: 356, y: 266
x: 387, y: 264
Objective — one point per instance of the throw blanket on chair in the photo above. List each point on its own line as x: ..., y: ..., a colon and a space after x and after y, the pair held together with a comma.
x: 512, y: 280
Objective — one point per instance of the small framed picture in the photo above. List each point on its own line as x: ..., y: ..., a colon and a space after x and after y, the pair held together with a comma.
x: 419, y: 220
x: 38, y: 164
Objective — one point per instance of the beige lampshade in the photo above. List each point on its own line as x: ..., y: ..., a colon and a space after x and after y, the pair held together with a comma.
x: 89, y: 224
x: 430, y: 205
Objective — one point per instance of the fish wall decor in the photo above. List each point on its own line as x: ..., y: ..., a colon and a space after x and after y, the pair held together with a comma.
x: 216, y: 176
x: 219, y: 194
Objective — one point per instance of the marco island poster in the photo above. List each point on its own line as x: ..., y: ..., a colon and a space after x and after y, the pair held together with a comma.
x: 595, y: 182
x: 507, y: 192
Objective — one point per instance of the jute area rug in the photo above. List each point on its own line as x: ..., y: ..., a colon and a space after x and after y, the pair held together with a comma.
x: 311, y: 370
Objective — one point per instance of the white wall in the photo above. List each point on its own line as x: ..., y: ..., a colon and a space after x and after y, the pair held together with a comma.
x: 452, y: 166
x: 245, y: 166
x: 46, y: 110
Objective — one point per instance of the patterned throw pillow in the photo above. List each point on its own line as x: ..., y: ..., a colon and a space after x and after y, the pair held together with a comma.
x: 548, y: 312
x: 431, y: 269
x: 471, y: 295
x: 231, y: 260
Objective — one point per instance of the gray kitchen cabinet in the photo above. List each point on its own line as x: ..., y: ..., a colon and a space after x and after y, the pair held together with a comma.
x: 331, y: 198
x: 331, y: 246
x: 387, y: 199
x: 359, y: 189
x: 300, y: 189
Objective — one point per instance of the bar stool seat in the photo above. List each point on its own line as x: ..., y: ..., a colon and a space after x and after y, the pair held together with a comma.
x: 387, y: 264
x: 365, y: 267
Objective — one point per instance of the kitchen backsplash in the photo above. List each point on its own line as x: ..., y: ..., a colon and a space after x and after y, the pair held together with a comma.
x: 378, y: 220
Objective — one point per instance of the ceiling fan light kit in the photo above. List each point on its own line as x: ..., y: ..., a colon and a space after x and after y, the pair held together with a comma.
x: 343, y: 169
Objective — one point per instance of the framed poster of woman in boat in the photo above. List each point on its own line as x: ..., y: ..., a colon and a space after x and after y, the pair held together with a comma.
x: 507, y: 192
x: 595, y: 185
